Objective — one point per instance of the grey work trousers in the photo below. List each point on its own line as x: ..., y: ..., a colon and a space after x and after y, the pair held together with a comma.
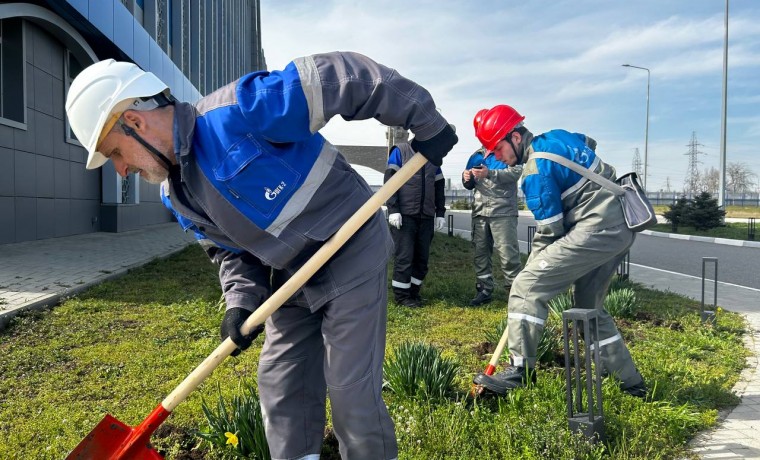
x: 587, y: 259
x: 337, y: 349
x: 500, y: 233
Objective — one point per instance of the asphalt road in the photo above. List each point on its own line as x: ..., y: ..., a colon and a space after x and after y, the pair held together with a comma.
x: 736, y: 265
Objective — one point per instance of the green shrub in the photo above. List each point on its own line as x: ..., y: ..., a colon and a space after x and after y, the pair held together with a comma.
x: 677, y: 212
x: 463, y: 204
x: 704, y: 212
x: 621, y: 303
x: 241, y: 418
x: 417, y: 370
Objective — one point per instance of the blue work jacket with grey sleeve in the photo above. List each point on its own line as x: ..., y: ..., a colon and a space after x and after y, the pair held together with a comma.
x: 562, y: 199
x: 263, y: 189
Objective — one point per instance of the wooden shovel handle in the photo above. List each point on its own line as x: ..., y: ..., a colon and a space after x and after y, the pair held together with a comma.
x: 497, y: 352
x: 298, y: 279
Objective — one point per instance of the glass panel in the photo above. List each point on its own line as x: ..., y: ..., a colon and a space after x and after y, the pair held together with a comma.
x: 12, y: 106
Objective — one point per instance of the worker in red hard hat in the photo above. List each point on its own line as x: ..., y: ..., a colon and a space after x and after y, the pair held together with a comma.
x: 580, y: 239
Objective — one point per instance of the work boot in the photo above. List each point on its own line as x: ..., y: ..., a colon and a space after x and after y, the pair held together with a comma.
x: 638, y: 390
x: 403, y: 297
x: 414, y: 293
x: 509, y: 379
x: 482, y: 297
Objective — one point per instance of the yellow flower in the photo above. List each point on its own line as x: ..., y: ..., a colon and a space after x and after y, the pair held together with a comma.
x: 718, y: 310
x: 231, y: 438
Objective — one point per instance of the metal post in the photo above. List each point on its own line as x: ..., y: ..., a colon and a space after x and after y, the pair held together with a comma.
x: 751, y: 228
x: 591, y: 422
x: 704, y: 313
x: 723, y: 110
x: 625, y: 266
x: 531, y: 233
x: 451, y: 224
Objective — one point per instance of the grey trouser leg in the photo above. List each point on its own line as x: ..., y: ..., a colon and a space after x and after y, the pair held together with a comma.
x: 590, y: 291
x: 504, y: 233
x: 482, y: 243
x: 587, y: 259
x: 340, y: 349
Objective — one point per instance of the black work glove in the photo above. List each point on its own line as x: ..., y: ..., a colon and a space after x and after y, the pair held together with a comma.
x: 435, y: 148
x: 233, y: 319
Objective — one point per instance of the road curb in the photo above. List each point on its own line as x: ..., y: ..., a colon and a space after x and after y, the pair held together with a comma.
x: 703, y: 239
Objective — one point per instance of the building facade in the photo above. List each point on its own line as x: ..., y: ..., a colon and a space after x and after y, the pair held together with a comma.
x: 194, y: 46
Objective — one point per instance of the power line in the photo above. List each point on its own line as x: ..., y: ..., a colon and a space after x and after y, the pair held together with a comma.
x: 691, y: 183
x: 636, y: 164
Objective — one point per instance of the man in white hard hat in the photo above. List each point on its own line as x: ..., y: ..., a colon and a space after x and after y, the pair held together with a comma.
x: 247, y: 171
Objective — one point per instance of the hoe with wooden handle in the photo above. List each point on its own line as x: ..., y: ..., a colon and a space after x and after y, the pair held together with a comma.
x: 114, y: 440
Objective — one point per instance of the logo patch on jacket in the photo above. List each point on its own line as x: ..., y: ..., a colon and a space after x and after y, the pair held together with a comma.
x: 270, y: 194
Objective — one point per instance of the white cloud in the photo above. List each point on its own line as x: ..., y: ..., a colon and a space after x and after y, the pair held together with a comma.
x: 557, y: 62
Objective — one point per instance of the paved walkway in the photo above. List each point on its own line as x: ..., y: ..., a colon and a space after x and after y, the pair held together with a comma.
x: 35, y: 274
x: 40, y: 273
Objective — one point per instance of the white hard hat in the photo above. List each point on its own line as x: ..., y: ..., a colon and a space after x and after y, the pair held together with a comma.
x: 99, y: 95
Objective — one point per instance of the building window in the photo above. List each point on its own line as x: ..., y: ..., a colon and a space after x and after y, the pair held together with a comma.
x: 12, y: 73
x: 71, y: 67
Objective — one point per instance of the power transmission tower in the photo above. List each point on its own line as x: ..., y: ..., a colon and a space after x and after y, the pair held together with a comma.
x: 636, y: 165
x: 691, y: 183
x: 667, y: 184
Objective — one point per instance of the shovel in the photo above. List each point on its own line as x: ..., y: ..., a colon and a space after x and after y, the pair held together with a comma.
x: 114, y: 440
x: 477, y: 390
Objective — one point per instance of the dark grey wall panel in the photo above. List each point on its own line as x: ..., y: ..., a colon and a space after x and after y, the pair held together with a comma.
x: 43, y: 91
x: 58, y: 101
x: 77, y: 181
x: 77, y: 154
x: 44, y: 133
x: 62, y: 217
x: 30, y: 93
x: 85, y: 216
x: 7, y: 220
x: 7, y: 172
x: 25, y: 167
x: 25, y: 139
x: 45, y: 218
x: 26, y: 218
x: 60, y: 147
x: 45, y: 177
x: 6, y: 136
x: 62, y: 178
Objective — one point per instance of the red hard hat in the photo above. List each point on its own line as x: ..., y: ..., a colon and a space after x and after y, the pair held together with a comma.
x: 478, y: 119
x: 493, y: 125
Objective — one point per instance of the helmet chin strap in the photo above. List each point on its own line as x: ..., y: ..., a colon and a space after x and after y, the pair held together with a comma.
x: 131, y: 132
x: 518, y: 153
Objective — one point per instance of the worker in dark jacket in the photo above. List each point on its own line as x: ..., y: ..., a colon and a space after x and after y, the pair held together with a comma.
x: 247, y: 171
x: 414, y: 212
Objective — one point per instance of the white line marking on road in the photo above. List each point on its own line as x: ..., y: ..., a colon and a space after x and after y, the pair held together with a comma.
x: 695, y: 277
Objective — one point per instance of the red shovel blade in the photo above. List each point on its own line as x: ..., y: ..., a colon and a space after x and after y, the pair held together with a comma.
x: 114, y: 440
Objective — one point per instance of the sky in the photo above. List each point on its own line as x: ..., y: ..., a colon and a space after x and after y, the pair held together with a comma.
x: 559, y: 63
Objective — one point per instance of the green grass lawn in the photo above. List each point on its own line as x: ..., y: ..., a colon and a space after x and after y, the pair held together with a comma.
x: 731, y: 211
x: 122, y: 346
x: 734, y: 231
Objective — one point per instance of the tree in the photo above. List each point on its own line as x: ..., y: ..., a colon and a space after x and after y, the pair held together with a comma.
x: 704, y: 213
x: 677, y: 212
x: 739, y: 178
x: 711, y: 180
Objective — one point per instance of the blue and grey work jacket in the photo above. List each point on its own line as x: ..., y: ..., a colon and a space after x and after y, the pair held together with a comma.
x: 562, y: 199
x: 423, y: 195
x: 258, y: 182
x: 495, y: 194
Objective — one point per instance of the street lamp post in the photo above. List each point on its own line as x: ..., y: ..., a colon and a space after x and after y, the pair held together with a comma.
x: 646, y: 131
